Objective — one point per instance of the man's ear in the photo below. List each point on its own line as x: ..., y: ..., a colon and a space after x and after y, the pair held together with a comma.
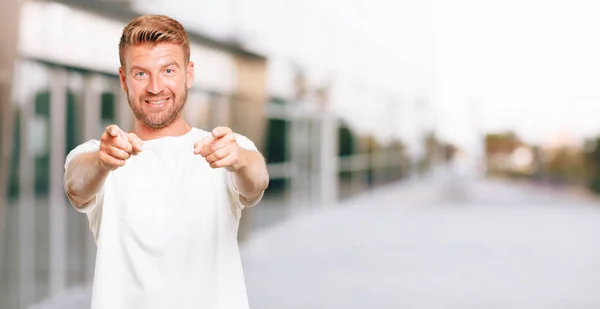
x: 190, y: 74
x: 123, y: 79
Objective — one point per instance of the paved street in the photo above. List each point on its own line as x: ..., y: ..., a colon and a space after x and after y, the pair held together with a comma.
x: 444, y: 243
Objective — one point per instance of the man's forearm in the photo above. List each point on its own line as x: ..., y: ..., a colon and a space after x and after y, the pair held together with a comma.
x: 84, y: 178
x: 252, y: 179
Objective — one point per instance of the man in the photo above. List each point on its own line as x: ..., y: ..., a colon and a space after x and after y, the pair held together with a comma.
x: 164, y: 201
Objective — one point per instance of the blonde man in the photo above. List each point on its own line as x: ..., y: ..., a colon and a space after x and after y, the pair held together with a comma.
x: 164, y: 201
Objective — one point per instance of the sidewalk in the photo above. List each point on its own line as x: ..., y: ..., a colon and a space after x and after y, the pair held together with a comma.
x: 432, y: 243
x: 79, y: 297
x: 339, y: 257
x: 417, y: 246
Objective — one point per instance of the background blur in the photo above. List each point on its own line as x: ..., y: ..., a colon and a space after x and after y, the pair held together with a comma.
x: 423, y: 154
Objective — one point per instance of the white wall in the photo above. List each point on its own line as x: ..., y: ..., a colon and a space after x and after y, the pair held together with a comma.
x: 57, y: 33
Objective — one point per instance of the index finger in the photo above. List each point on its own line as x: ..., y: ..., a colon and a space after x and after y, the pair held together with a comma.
x: 113, y: 130
x: 219, y: 132
x: 119, y: 138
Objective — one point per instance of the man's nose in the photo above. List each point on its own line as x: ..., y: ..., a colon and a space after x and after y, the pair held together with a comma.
x: 155, y: 86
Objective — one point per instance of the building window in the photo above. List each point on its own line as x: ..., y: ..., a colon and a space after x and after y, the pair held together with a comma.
x: 107, y: 110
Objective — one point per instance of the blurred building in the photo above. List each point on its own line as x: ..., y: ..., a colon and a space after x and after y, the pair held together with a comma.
x: 65, y: 90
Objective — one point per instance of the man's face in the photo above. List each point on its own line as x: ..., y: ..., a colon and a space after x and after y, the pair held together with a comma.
x: 156, y: 79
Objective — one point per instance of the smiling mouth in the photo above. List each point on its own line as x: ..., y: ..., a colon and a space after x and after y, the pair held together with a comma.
x: 157, y: 102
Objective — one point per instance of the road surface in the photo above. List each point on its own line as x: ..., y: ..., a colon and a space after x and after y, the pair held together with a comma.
x: 443, y: 243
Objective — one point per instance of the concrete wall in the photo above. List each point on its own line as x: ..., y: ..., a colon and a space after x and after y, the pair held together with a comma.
x: 248, y: 113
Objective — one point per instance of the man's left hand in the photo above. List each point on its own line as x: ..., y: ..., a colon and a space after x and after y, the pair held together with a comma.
x: 221, y: 150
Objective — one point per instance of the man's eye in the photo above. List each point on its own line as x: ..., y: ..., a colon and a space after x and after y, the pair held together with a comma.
x: 139, y: 74
x: 169, y: 71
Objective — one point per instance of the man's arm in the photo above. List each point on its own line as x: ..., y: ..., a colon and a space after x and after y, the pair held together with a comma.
x: 251, y: 179
x: 87, y: 172
x: 84, y: 178
x: 249, y: 169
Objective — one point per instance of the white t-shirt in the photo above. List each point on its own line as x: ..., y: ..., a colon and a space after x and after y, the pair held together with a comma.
x: 166, y: 228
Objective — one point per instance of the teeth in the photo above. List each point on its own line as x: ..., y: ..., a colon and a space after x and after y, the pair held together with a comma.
x: 156, y: 102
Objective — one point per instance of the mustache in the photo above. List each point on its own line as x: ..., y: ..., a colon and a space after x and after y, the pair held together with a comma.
x: 160, y: 96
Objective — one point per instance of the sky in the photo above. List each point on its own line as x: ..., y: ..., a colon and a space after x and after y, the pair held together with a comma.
x: 529, y: 66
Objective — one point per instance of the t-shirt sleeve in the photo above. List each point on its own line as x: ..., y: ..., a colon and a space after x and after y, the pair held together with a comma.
x: 238, y: 199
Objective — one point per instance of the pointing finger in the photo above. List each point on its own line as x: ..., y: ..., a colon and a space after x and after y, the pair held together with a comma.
x: 219, y: 132
x: 113, y: 130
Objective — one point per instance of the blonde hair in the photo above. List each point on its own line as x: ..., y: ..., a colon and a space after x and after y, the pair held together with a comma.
x: 153, y: 29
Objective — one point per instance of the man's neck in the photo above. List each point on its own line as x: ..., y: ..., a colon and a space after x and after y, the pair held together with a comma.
x: 177, y: 128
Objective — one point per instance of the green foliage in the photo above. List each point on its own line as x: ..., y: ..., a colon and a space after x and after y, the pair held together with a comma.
x: 592, y: 157
x: 276, y: 141
x: 346, y: 141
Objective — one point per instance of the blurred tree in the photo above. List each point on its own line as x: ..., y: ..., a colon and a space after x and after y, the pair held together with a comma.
x: 346, y: 143
x: 276, y: 150
x: 498, y: 148
x: 276, y: 141
x: 42, y: 160
x: 347, y: 146
x: 13, y: 176
x: 592, y: 163
x: 372, y: 147
x: 566, y: 165
x: 501, y: 143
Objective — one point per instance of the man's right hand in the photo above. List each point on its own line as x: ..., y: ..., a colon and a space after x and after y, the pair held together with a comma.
x: 116, y: 147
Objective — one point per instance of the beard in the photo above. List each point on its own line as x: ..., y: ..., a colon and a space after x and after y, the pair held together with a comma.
x: 161, y: 118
